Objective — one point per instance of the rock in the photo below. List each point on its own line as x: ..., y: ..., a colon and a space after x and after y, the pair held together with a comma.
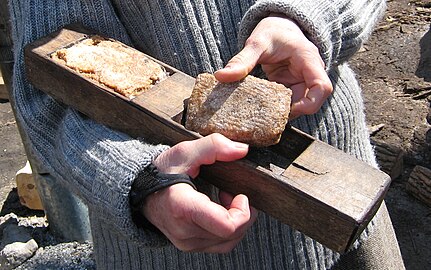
x: 19, y: 249
x: 14, y: 254
x: 73, y: 255
x: 27, y: 191
x: 34, y: 222
x: 372, y: 130
x: 17, y: 245
x: 14, y: 233
x: 6, y: 219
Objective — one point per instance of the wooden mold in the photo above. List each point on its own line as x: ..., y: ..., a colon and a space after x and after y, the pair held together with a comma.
x: 303, y: 182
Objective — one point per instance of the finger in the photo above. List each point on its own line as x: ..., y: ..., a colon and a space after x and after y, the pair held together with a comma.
x: 254, y: 213
x: 225, y: 198
x: 299, y: 91
x: 223, y: 247
x: 216, y: 147
x: 315, y: 77
x: 184, y: 233
x: 175, y: 217
x: 210, y: 221
x: 226, y: 224
x: 240, y: 65
x: 218, y: 245
x: 241, y: 209
x: 309, y: 104
x: 318, y: 86
x: 188, y: 156
x: 317, y: 80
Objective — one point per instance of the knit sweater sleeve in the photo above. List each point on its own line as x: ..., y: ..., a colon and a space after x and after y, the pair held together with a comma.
x: 338, y: 28
x: 94, y: 162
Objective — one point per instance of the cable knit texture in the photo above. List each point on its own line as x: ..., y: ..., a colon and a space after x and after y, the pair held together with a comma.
x: 195, y: 36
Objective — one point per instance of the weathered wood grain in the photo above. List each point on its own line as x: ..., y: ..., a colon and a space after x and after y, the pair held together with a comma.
x: 390, y: 158
x: 419, y: 184
x: 303, y: 182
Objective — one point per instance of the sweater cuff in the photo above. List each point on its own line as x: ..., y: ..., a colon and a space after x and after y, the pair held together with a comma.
x: 113, y: 195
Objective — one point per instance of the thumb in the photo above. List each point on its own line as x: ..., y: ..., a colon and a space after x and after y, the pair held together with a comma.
x: 240, y: 65
x: 239, y: 206
x: 212, y: 148
x: 188, y: 156
x: 216, y: 147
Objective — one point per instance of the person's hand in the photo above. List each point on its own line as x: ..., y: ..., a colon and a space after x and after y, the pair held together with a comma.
x: 287, y: 57
x: 188, y: 218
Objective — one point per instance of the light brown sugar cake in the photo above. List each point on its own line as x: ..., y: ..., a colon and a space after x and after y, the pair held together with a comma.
x: 253, y: 110
x: 121, y: 68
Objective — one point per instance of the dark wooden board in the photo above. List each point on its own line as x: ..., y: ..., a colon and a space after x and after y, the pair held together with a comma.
x: 303, y: 182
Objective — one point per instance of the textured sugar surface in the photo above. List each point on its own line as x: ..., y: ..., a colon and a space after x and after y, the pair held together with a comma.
x: 253, y: 110
x: 125, y: 70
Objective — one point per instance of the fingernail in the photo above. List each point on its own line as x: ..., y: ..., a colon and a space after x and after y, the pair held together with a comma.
x: 228, y: 66
x: 240, y: 145
x: 315, y: 94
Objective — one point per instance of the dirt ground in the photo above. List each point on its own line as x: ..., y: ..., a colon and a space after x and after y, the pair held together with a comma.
x: 394, y: 69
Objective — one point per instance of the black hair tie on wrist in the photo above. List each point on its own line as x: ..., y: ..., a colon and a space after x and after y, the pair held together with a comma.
x: 151, y: 180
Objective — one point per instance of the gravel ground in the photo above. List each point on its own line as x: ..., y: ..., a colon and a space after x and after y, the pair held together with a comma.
x: 61, y: 256
x: 19, y: 224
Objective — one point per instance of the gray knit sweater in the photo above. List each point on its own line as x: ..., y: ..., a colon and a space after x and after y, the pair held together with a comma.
x: 99, y: 164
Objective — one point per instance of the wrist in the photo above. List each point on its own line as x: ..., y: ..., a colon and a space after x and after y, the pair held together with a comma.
x: 288, y: 22
x: 151, y: 180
